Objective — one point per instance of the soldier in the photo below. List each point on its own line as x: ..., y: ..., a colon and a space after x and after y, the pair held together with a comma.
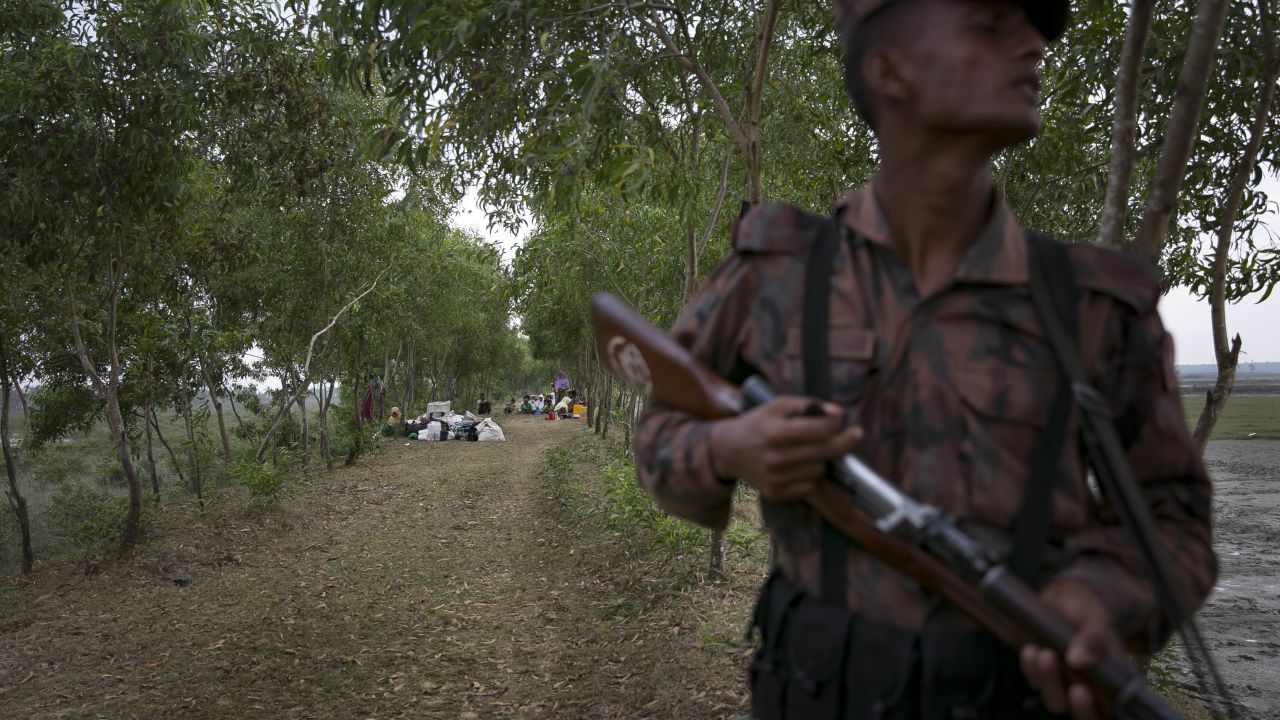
x: 934, y: 347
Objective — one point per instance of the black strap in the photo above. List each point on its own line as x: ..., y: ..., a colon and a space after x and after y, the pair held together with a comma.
x: 1111, y: 467
x: 814, y: 335
x: 1101, y: 440
x: 1031, y: 528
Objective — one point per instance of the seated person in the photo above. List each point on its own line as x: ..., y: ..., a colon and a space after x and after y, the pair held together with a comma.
x: 537, y: 405
x: 526, y: 407
x: 510, y: 407
x: 484, y: 407
x: 566, y: 403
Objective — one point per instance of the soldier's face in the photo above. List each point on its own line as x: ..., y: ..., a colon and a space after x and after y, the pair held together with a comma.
x: 974, y: 68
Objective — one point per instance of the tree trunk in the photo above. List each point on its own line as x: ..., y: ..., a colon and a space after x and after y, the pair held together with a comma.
x: 406, y: 397
x: 132, y: 529
x: 764, y: 41
x: 151, y: 456
x: 304, y: 429
x: 326, y: 443
x: 1181, y: 132
x: 601, y: 400
x: 231, y: 401
x: 1227, y: 353
x: 17, y: 502
x: 173, y: 457
x: 1125, y: 124
x: 608, y: 405
x: 695, y: 247
x: 356, y: 385
x: 217, y: 410
x: 386, y: 379
x: 193, y: 452
x: 108, y: 389
x: 628, y: 402
x: 715, y: 558
x: 146, y: 426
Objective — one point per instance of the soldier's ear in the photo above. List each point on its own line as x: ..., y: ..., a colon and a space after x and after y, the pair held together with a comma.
x: 886, y: 75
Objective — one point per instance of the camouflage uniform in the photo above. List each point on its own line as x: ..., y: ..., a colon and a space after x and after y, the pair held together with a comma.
x: 951, y: 390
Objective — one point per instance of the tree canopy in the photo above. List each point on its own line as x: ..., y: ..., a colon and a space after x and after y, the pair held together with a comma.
x: 195, y: 196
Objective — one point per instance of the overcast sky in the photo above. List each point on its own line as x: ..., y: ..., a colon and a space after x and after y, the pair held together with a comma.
x: 1186, y: 318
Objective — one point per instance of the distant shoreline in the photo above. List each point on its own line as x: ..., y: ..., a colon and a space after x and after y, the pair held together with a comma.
x: 1246, y: 368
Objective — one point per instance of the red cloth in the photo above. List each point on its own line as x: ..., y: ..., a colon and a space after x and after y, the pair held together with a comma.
x: 366, y: 407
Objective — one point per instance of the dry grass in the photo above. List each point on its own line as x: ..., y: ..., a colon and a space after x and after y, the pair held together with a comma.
x: 435, y: 580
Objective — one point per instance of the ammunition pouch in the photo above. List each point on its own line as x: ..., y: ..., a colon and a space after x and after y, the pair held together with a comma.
x: 817, y: 661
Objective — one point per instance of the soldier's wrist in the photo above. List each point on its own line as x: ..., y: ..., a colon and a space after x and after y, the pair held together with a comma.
x: 721, y: 462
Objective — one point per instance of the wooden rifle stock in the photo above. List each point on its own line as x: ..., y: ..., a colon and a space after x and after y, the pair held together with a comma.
x: 646, y: 358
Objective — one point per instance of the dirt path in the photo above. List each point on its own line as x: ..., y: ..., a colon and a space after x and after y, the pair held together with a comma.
x: 438, y: 580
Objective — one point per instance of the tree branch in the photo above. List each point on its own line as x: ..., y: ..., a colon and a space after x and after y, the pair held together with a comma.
x: 1227, y: 352
x: 715, y: 210
x: 1180, y: 135
x: 764, y: 41
x: 1124, y: 126
x: 691, y: 64
x: 27, y: 430
x: 304, y: 376
x: 81, y: 350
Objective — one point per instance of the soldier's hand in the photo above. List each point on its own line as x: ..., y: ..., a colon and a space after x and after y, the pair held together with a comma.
x: 779, y: 449
x: 1093, y: 641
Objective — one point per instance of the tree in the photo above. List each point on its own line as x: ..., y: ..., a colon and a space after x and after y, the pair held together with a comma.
x: 1227, y: 353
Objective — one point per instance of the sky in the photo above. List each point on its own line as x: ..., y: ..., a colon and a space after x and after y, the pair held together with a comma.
x: 1185, y: 317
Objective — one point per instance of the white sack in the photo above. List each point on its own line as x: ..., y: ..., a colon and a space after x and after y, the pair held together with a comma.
x: 490, y: 432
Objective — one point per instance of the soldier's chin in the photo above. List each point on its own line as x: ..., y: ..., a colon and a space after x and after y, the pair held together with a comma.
x: 1010, y: 131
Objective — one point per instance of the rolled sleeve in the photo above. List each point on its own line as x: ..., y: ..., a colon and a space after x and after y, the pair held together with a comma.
x: 672, y: 448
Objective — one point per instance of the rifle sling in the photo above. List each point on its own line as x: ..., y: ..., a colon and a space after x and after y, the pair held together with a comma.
x: 1031, y: 528
x: 1101, y: 439
x: 814, y: 337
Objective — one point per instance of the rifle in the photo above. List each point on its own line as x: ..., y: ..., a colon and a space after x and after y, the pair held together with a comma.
x: 915, y: 538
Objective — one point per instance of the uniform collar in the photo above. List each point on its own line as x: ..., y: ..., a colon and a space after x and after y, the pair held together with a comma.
x: 997, y: 256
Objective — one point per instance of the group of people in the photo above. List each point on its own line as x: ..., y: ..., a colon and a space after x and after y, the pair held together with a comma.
x: 544, y: 405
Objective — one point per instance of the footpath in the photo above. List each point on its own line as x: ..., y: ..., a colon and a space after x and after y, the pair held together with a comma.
x: 433, y: 580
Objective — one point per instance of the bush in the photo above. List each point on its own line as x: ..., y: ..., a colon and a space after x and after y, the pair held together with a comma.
x: 266, y: 484
x: 629, y: 507
x: 10, y: 542
x: 55, y: 464
x: 111, y: 474
x: 350, y: 438
x: 101, y: 535
x: 93, y: 520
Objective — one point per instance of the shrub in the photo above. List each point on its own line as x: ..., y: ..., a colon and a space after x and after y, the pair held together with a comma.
x: 351, y: 439
x: 111, y: 474
x: 629, y: 507
x: 10, y: 544
x: 93, y: 520
x: 265, y: 483
x: 55, y: 464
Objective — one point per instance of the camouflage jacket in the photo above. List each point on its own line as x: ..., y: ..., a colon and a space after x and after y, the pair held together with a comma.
x: 951, y: 390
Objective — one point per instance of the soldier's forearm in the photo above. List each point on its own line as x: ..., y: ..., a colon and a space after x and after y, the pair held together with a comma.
x: 674, y: 465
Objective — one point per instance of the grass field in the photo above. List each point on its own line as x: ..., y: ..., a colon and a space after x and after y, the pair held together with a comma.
x: 1243, y: 416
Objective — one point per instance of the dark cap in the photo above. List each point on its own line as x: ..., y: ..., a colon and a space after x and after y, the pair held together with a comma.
x: 1049, y: 16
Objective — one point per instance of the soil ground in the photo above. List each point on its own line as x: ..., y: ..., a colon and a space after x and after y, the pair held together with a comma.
x: 462, y: 580
x: 1240, y: 620
x: 436, y: 580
